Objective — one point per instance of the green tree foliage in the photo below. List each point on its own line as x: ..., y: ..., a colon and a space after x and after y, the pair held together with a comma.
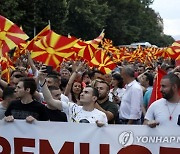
x: 53, y: 11
x: 134, y: 21
x: 124, y: 21
x: 86, y: 18
x: 35, y: 13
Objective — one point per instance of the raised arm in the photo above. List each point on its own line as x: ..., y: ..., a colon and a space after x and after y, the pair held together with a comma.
x: 46, y: 93
x: 31, y: 63
x: 76, y: 68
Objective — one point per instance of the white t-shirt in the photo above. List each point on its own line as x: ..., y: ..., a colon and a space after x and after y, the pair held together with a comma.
x: 159, y: 111
x: 118, y: 92
x: 77, y: 114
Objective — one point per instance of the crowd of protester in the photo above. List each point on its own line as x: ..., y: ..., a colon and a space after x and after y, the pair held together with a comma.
x: 78, y: 93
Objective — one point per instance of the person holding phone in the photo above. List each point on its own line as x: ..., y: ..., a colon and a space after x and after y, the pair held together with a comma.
x: 117, y: 90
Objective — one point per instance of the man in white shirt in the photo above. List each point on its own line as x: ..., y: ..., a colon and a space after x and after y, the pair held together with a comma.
x: 130, y: 108
x: 87, y: 113
x: 165, y: 111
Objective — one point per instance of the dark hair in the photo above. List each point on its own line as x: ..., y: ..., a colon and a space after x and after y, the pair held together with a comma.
x: 142, y: 66
x: 95, y: 91
x: 55, y: 73
x: 173, y: 78
x: 85, y: 73
x: 53, y: 88
x: 72, y: 93
x: 102, y: 81
x: 169, y: 67
x: 93, y: 72
x: 14, y: 71
x: 8, y: 92
x: 118, y: 77
x: 63, y: 83
x: 54, y: 77
x: 18, y: 76
x: 29, y: 82
x: 150, y: 78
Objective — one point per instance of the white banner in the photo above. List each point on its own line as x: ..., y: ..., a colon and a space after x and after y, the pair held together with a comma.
x: 20, y: 137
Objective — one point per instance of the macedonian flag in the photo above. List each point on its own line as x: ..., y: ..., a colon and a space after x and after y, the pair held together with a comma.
x: 52, y: 49
x: 84, y: 50
x: 103, y: 61
x: 10, y: 35
x: 6, y: 67
x: 41, y: 34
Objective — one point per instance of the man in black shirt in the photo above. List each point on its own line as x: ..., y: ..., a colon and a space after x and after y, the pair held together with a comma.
x: 53, y: 113
x: 103, y: 104
x: 26, y: 107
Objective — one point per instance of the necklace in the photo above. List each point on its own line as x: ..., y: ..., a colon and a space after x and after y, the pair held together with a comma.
x: 171, y: 113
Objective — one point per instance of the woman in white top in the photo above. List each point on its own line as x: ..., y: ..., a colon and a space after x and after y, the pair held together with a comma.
x: 117, y: 90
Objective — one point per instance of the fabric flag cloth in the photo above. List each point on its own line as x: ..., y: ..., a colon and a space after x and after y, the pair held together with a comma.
x: 10, y: 35
x: 166, y: 53
x: 6, y: 67
x: 84, y: 50
x: 41, y: 34
x: 98, y: 39
x: 156, y: 94
x: 103, y: 62
x: 176, y: 48
x: 52, y: 49
x: 30, y: 44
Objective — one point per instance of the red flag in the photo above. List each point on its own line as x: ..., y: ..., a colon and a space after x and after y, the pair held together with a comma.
x: 178, y: 61
x: 156, y: 94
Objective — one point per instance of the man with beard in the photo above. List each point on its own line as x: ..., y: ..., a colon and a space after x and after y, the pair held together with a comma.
x: 166, y: 111
x: 103, y: 104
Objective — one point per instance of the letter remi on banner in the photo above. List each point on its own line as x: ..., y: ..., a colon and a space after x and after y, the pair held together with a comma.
x: 20, y: 137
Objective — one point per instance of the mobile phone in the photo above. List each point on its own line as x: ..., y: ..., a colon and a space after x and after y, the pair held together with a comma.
x: 178, y: 122
x: 48, y: 69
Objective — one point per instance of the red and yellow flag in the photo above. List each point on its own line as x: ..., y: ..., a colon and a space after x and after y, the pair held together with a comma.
x: 52, y: 49
x: 6, y: 67
x: 84, y: 50
x: 10, y: 35
x: 98, y: 39
x: 103, y: 62
x: 41, y: 34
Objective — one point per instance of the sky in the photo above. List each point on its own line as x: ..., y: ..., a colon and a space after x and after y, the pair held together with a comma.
x: 169, y: 10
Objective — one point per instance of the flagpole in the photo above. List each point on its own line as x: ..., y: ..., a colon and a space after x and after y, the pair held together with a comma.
x: 34, y: 31
x: 49, y: 22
